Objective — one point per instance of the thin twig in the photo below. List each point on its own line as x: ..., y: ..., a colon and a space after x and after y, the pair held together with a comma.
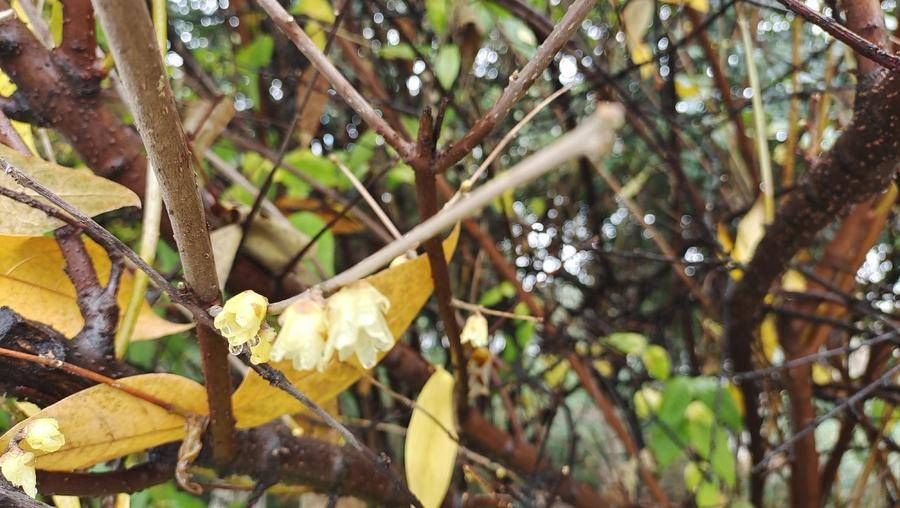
x: 92, y: 376
x: 857, y: 397
x: 354, y: 99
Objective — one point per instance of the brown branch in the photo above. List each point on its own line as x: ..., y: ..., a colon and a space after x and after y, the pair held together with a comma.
x: 857, y: 43
x: 97, y: 304
x: 133, y: 44
x: 52, y: 95
x: 285, y: 22
x: 79, y: 41
x: 861, y: 163
x: 427, y: 201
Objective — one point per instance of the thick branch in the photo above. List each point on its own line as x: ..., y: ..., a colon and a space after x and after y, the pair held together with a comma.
x: 861, y: 163
x: 133, y: 44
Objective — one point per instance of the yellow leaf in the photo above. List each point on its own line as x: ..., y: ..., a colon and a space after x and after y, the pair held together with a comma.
x: 738, y: 396
x: 83, y: 189
x: 793, y: 281
x: 637, y: 17
x: 7, y: 88
x: 684, y: 88
x: 319, y: 10
x: 641, y: 54
x: 768, y: 333
x: 821, y: 375
x: 430, y: 452
x: 555, y: 376
x: 33, y: 283
x: 102, y: 423
x: 698, y: 5
x: 407, y: 286
x: 66, y: 502
x: 56, y: 21
x: 750, y: 231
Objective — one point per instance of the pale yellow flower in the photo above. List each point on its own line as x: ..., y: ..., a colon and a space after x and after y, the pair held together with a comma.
x: 356, y: 324
x: 261, y: 346
x: 18, y: 467
x: 43, y: 434
x: 303, y: 334
x: 241, y: 318
x: 475, y: 331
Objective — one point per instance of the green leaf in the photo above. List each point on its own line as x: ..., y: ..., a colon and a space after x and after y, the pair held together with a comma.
x: 692, y: 476
x: 310, y: 224
x: 319, y: 10
x: 438, y: 12
x: 446, y: 65
x: 708, y: 495
x: 317, y: 167
x: 496, y: 294
x: 256, y: 54
x: 661, y: 444
x: 722, y: 460
x: 713, y: 394
x: 359, y: 156
x: 522, y: 38
x: 399, y: 175
x: 627, y: 342
x: 676, y: 397
x: 402, y: 51
x: 656, y: 361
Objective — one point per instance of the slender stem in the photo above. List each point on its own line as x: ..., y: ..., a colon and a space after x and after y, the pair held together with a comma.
x: 840, y: 32
x: 91, y: 376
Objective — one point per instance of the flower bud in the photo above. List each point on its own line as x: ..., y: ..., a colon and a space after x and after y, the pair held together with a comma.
x: 475, y: 331
x: 241, y: 318
x: 43, y: 434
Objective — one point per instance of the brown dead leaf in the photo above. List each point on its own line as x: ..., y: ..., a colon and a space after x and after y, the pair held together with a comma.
x: 33, y: 283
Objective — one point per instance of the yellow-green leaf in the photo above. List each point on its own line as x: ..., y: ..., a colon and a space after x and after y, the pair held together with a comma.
x: 86, y: 191
x: 407, y: 286
x: 430, y: 452
x: 102, y: 422
x: 656, y: 361
x: 33, y: 283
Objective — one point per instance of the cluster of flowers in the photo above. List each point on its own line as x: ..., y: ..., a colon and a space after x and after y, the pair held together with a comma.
x: 17, y: 463
x: 350, y: 322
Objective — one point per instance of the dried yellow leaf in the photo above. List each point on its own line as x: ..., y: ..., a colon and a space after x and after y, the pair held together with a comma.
x: 80, y: 187
x: 102, y: 422
x: 33, y: 283
x: 431, y: 446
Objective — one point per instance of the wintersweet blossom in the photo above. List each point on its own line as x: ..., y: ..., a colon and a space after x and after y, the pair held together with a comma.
x: 356, y: 324
x: 261, y: 346
x: 241, y: 318
x: 43, y: 434
x: 303, y: 334
x: 475, y: 331
x: 17, y: 466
